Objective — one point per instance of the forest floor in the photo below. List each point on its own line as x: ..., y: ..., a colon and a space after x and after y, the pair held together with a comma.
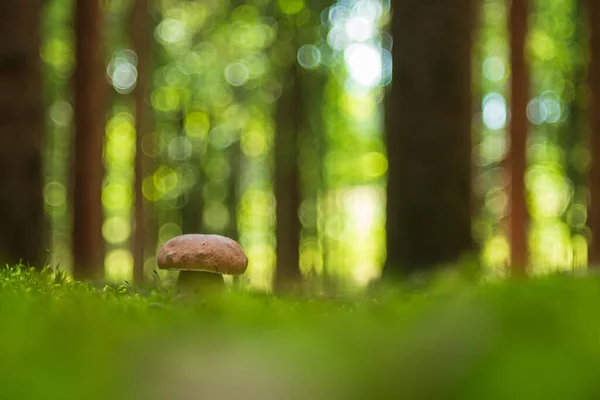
x: 66, y: 340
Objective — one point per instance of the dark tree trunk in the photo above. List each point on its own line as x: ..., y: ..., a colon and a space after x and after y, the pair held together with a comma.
x: 287, y: 183
x: 193, y: 210
x: 312, y: 153
x: 594, y: 83
x: 235, y: 164
x: 21, y: 134
x: 518, y: 218
x: 142, y: 41
x: 429, y: 136
x: 90, y: 86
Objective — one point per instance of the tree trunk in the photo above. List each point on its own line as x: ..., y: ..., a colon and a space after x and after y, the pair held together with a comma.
x: 235, y: 163
x: 429, y: 136
x: 594, y: 83
x: 287, y: 183
x: 21, y: 134
x: 518, y: 218
x: 90, y: 85
x: 142, y: 41
x: 192, y: 212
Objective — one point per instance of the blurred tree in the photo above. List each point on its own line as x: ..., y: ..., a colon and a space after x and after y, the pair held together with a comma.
x: 90, y: 91
x: 141, y: 36
x: 235, y: 162
x: 594, y: 83
x: 312, y: 150
x: 518, y: 218
x: 312, y: 153
x: 21, y: 133
x: 429, y: 135
x: 287, y: 180
x: 191, y: 212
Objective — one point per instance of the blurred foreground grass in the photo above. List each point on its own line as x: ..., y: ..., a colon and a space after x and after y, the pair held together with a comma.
x: 67, y: 340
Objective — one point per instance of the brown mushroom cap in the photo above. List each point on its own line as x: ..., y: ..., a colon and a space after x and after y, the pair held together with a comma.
x: 196, y: 252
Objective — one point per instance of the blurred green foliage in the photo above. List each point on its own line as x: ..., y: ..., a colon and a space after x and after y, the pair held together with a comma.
x: 218, y: 70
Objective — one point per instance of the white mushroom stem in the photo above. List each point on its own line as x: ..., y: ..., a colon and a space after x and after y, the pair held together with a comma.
x: 190, y: 282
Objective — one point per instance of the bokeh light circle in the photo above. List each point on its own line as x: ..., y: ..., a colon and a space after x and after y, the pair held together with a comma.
x: 309, y: 56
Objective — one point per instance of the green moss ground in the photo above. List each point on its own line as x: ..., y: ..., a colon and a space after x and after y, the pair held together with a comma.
x: 523, y: 340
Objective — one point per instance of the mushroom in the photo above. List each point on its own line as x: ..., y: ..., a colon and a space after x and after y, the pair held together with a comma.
x: 202, y: 260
